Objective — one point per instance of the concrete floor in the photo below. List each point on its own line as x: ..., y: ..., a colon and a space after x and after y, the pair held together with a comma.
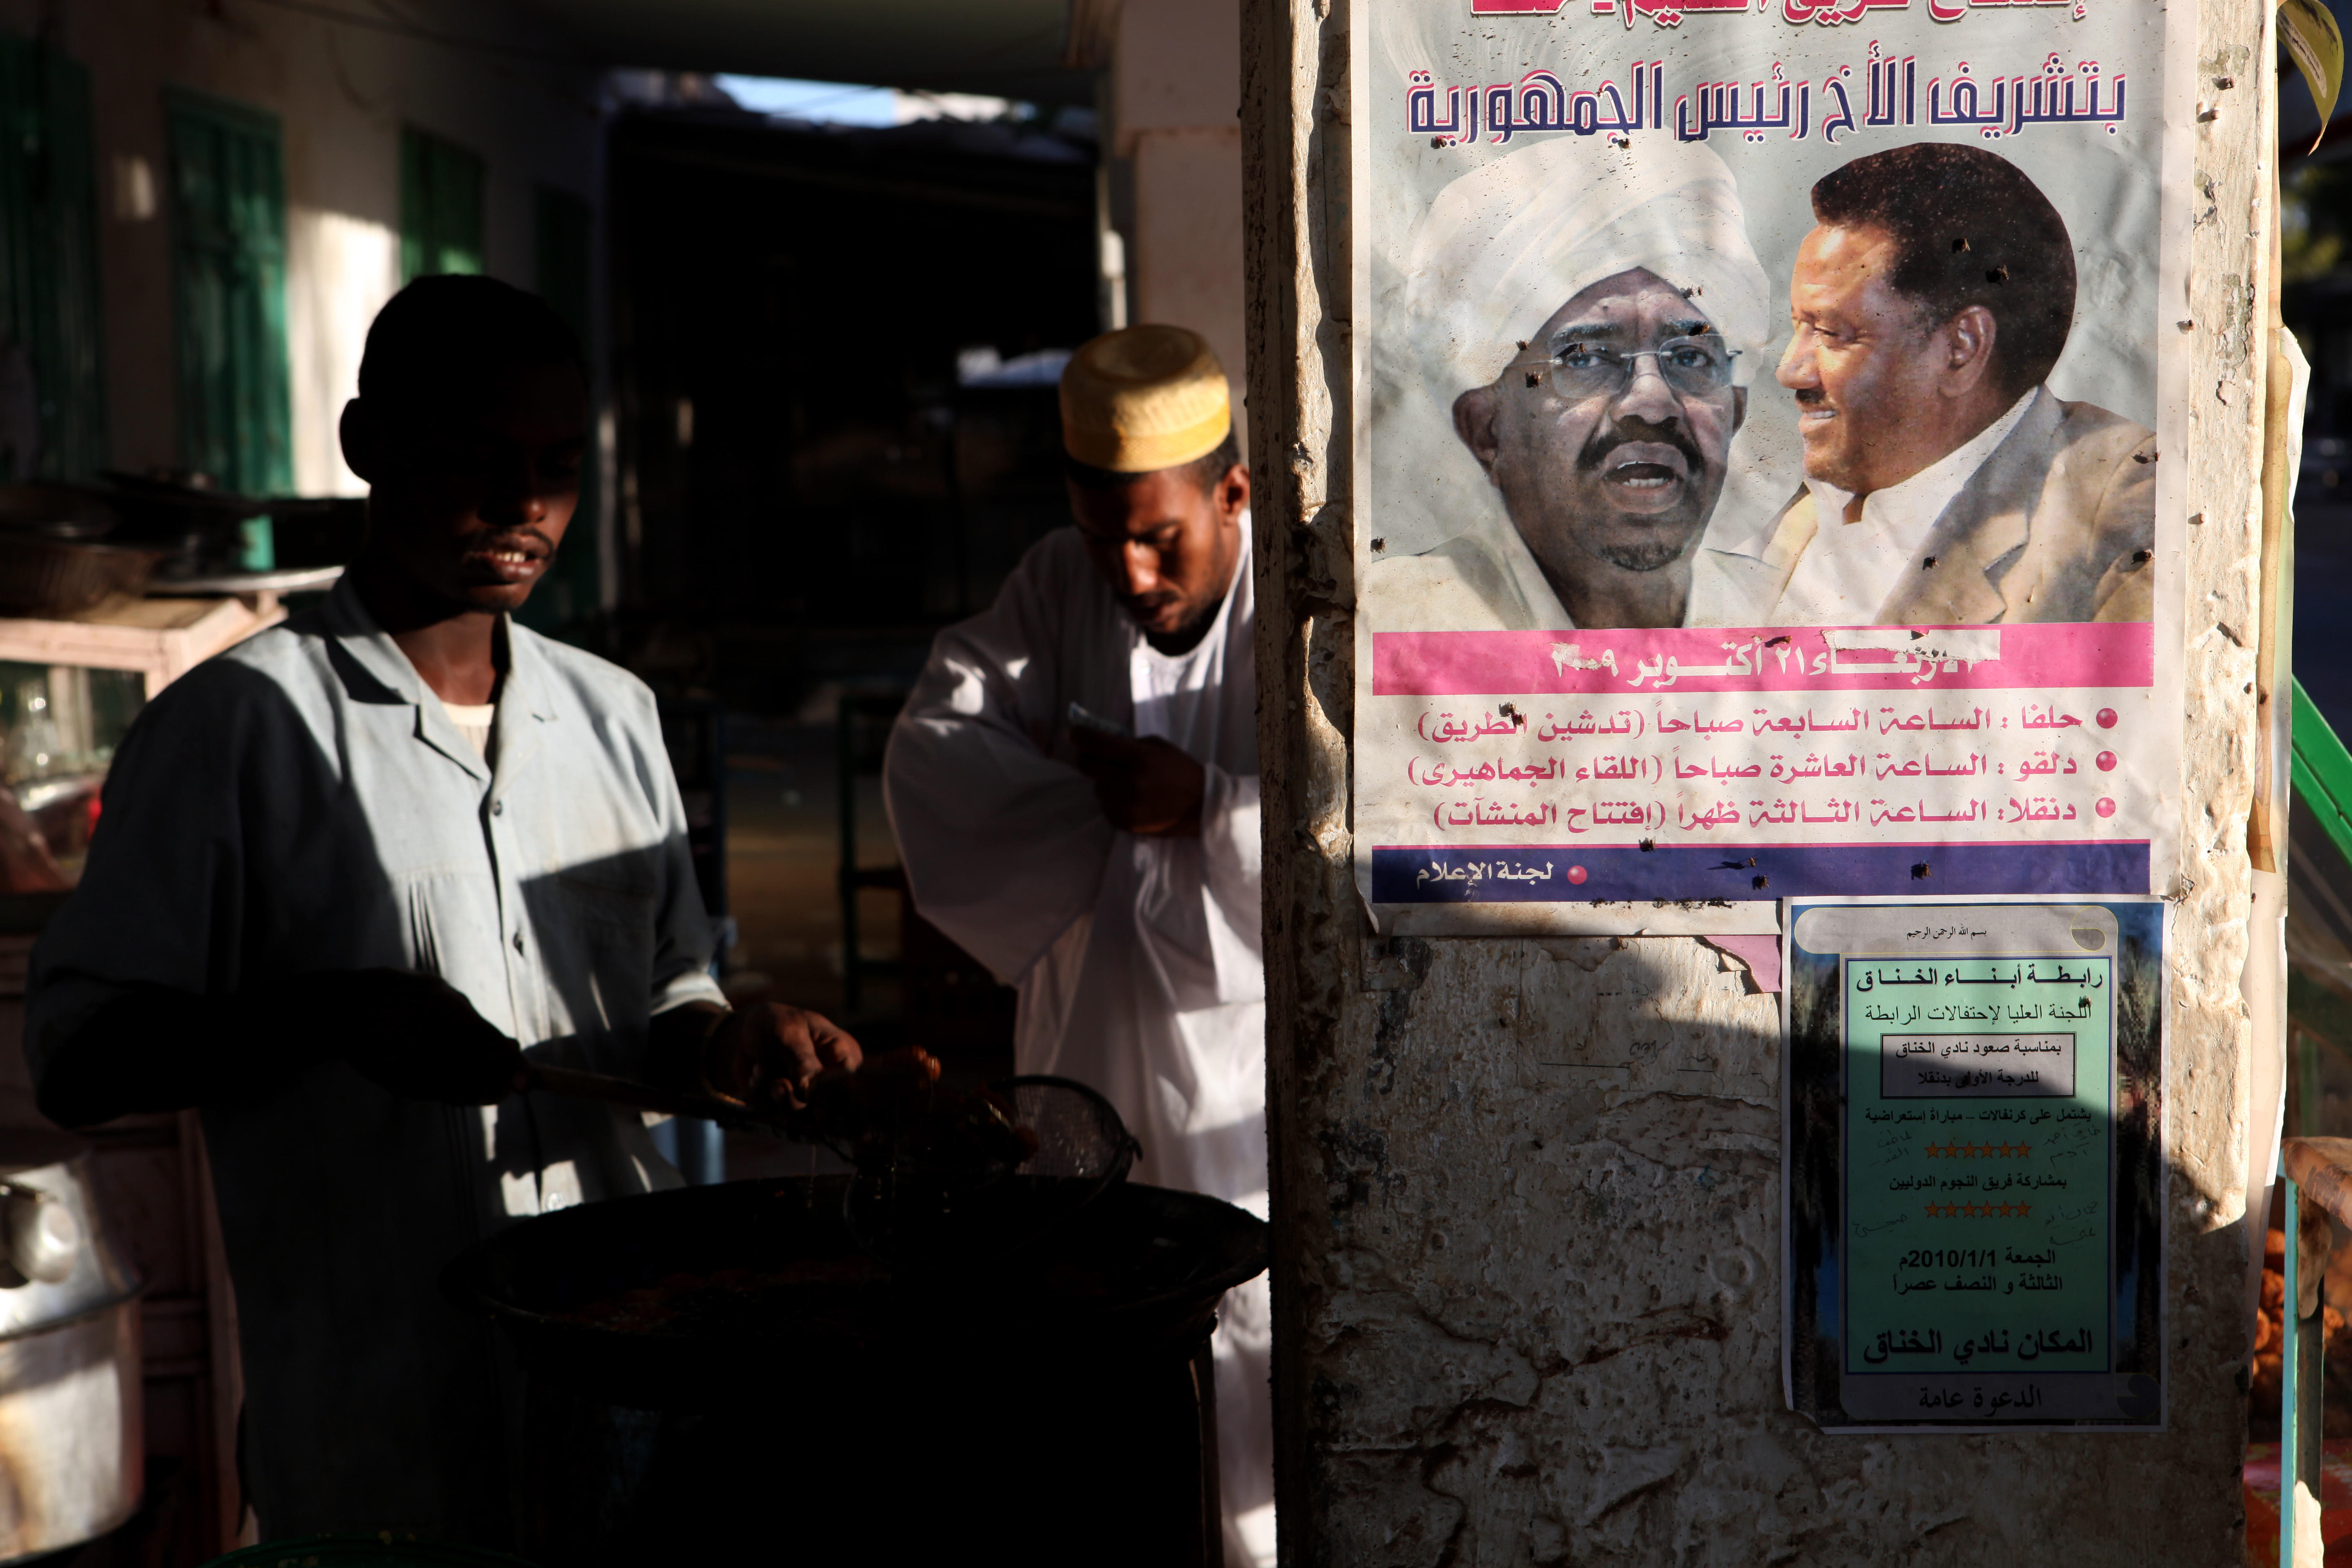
x: 783, y: 854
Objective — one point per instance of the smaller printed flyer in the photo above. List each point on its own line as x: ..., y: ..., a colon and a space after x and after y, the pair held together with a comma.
x: 1974, y: 1163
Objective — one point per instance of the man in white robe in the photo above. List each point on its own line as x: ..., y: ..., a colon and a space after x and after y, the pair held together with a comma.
x: 1114, y: 880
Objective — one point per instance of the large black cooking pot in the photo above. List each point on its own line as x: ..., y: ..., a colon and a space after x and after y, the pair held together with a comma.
x: 1051, y: 1400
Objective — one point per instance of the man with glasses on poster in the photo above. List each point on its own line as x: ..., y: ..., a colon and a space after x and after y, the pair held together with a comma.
x: 1597, y: 319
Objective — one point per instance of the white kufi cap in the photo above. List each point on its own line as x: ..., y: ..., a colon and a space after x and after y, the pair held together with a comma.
x: 1510, y: 242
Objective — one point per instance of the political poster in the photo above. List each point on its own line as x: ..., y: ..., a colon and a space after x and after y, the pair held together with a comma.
x: 1767, y: 457
x: 1973, y: 1163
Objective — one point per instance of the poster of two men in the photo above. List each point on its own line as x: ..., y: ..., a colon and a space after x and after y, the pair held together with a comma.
x: 1679, y: 392
x: 1762, y: 488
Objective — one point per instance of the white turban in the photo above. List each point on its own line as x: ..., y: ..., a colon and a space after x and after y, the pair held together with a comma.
x: 1510, y: 242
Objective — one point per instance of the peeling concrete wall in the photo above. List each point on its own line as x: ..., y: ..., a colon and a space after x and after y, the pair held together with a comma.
x: 1527, y: 1280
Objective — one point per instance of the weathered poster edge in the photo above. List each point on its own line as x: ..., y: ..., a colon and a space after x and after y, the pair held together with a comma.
x: 1759, y: 916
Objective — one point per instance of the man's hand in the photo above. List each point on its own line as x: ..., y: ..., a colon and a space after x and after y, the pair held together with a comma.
x: 413, y: 1034
x: 1146, y: 787
x: 765, y: 1054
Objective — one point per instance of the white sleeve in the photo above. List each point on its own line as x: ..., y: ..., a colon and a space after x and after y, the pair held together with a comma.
x: 1230, y: 916
x: 1003, y: 847
x: 1230, y: 849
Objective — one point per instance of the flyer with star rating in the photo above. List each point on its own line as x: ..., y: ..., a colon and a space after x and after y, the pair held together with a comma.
x: 1974, y: 1163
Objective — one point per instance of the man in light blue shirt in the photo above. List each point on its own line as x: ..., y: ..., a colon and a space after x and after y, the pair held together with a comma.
x: 342, y: 870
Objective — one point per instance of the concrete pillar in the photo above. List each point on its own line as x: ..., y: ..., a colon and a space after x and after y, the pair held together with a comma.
x: 1521, y: 1317
x: 1174, y: 68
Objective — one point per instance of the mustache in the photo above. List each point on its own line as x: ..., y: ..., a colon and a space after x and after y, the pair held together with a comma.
x: 1810, y: 396
x: 528, y: 539
x: 1601, y: 443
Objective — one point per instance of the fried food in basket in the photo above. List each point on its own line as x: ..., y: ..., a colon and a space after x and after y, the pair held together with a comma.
x: 892, y: 1113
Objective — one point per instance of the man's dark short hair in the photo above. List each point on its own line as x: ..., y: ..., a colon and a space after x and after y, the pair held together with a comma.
x: 1969, y: 229
x: 1207, y: 470
x: 433, y: 333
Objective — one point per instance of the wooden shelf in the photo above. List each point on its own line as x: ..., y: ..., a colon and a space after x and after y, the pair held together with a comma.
x: 161, y: 640
x: 154, y: 1184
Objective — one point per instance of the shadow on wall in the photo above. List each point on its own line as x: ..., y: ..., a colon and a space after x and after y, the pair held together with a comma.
x: 1547, y: 1324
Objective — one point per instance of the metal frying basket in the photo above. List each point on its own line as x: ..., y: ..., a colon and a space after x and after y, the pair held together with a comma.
x: 917, y: 1218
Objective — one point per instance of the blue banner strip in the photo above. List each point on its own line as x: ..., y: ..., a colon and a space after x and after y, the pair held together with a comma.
x: 1576, y: 873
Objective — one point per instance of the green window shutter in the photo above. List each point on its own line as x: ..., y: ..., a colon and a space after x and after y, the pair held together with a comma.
x: 48, y: 259
x: 69, y: 351
x: 441, y: 194
x: 563, y: 226
x: 228, y: 245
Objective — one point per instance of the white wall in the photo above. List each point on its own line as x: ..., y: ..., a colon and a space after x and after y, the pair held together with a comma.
x: 342, y: 93
x: 1175, y: 101
x: 340, y: 270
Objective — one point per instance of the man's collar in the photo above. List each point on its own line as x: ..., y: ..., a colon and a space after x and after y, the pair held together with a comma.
x: 1538, y: 608
x: 345, y: 618
x: 1746, y: 515
x: 1907, y: 510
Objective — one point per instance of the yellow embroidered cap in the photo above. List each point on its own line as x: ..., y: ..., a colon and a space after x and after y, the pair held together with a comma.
x: 1144, y: 398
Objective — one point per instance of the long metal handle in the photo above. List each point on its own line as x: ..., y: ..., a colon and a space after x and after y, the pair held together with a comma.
x: 645, y: 1097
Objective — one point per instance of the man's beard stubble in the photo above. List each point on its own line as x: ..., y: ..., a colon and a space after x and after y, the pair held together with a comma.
x: 1649, y: 554
x: 1650, y: 551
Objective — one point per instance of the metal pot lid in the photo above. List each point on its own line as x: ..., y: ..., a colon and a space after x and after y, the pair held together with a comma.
x: 56, y: 511
x: 55, y: 1262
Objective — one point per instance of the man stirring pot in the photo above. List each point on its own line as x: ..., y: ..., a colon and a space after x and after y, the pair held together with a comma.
x: 343, y: 868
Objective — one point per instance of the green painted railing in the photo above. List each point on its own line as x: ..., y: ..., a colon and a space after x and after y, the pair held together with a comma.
x: 2322, y: 771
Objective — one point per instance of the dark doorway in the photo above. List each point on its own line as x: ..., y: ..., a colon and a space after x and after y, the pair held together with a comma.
x: 835, y: 355
x: 804, y: 470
